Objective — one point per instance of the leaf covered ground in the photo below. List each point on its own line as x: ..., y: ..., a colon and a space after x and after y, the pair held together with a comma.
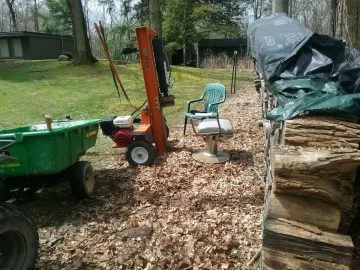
x: 178, y: 214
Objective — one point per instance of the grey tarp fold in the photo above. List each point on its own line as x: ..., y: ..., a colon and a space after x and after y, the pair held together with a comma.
x: 308, y: 72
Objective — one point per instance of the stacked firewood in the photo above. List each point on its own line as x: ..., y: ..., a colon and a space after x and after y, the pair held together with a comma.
x: 311, y: 165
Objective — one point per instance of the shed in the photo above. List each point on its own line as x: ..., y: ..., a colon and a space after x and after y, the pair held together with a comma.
x: 215, y: 47
x: 33, y: 46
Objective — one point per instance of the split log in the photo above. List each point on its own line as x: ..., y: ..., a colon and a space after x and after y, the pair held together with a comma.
x: 276, y: 260
x: 304, y: 209
x: 325, y: 174
x: 305, y: 240
x: 322, y: 132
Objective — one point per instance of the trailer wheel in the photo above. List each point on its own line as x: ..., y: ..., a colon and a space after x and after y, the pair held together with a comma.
x: 140, y: 153
x: 82, y: 179
x: 19, y: 239
x: 5, y: 193
x: 167, y: 130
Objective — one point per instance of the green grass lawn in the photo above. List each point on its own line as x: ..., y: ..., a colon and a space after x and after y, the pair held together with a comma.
x: 30, y: 88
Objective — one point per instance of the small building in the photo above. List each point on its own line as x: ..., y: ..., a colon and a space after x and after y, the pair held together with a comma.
x: 216, y: 47
x: 33, y: 46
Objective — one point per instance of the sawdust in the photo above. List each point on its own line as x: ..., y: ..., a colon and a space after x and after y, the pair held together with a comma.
x: 200, y: 216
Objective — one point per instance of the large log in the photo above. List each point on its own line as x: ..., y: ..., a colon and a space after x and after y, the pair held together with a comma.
x: 322, y: 132
x: 320, y: 173
x: 305, y: 240
x: 304, y: 209
x: 277, y: 260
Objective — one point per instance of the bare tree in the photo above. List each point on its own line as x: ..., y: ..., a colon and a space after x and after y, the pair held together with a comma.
x: 155, y: 15
x: 260, y: 7
x: 10, y: 4
x: 348, y: 21
x: 82, y: 51
x: 281, y: 6
x: 35, y: 16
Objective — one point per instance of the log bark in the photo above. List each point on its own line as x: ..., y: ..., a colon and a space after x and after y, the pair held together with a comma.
x: 304, y: 209
x: 277, y: 260
x: 319, y: 173
x: 305, y: 240
x: 322, y: 132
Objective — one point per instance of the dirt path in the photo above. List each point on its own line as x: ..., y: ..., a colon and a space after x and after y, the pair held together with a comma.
x: 200, y: 216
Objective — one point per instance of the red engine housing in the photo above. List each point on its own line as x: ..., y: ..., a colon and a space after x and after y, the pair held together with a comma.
x: 122, y: 137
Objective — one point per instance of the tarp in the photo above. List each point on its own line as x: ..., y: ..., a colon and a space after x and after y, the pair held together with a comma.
x: 308, y: 72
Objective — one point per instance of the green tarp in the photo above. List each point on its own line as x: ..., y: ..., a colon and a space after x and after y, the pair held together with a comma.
x: 312, y: 95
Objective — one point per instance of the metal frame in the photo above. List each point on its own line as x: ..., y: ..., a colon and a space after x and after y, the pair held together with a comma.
x: 155, y: 122
x: 212, y: 139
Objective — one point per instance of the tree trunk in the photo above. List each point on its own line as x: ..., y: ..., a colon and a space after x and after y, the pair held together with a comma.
x: 348, y: 21
x: 36, y: 16
x: 281, y: 6
x: 155, y: 15
x: 82, y: 51
x: 10, y: 4
x: 334, y: 6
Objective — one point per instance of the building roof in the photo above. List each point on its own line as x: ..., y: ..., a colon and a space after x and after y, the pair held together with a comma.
x: 228, y: 42
x: 31, y: 34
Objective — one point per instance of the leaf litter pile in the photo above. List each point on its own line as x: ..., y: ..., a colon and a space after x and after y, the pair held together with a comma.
x: 177, y: 214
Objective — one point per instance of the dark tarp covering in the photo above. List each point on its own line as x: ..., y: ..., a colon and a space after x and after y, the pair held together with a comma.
x: 307, y: 72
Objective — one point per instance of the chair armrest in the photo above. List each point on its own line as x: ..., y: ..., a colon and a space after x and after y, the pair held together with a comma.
x: 202, y: 115
x: 204, y: 134
x: 193, y: 101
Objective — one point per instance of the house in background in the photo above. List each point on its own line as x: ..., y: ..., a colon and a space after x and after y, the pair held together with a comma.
x: 208, y: 48
x: 33, y: 46
x: 217, y: 47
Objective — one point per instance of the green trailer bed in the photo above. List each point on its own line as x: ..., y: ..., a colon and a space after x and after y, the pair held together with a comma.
x: 39, y: 151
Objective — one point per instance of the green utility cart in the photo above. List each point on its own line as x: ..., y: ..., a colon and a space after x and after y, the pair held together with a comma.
x: 40, y: 151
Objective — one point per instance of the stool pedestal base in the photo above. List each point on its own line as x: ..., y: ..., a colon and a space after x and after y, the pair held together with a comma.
x: 206, y: 157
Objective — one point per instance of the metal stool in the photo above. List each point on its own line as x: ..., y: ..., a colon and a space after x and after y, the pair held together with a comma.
x: 213, y: 131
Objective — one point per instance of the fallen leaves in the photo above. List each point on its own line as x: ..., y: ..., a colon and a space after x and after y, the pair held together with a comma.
x: 178, y: 214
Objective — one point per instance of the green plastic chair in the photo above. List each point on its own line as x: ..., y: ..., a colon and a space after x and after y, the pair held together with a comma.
x: 215, y: 94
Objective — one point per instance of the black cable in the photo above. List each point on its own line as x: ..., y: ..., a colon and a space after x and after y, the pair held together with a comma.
x: 138, y: 109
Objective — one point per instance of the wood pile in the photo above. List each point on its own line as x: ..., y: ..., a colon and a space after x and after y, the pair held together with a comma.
x: 311, y: 165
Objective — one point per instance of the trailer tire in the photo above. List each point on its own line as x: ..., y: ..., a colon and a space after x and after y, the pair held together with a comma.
x: 5, y: 193
x: 140, y: 152
x: 167, y: 130
x: 82, y: 179
x: 19, y: 239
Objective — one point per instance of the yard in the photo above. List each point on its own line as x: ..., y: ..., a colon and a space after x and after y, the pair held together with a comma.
x: 177, y: 214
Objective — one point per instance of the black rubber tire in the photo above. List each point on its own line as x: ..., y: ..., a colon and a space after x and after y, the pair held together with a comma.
x: 5, y: 193
x: 146, y: 146
x: 19, y: 239
x: 82, y: 179
x: 167, y: 130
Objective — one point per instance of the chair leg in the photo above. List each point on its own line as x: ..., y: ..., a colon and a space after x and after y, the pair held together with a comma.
x: 185, y: 125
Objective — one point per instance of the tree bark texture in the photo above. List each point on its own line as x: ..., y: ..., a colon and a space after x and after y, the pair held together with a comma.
x: 280, y: 6
x: 274, y: 259
x: 82, y: 51
x: 304, y: 240
x: 348, y: 21
x: 324, y: 174
x: 155, y: 15
x: 10, y: 4
x: 36, y: 16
